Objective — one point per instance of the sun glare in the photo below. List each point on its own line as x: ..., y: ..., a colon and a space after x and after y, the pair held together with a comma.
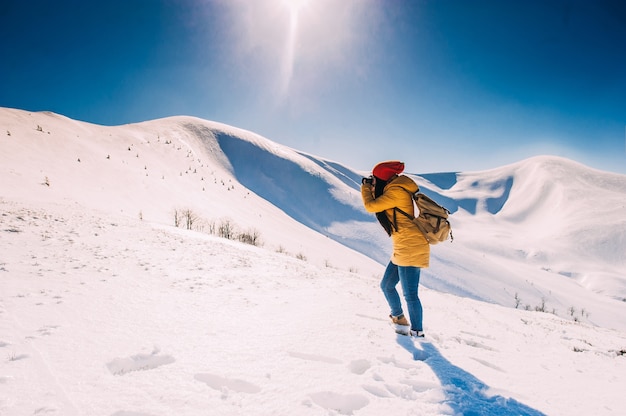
x: 295, y: 6
x: 289, y: 55
x: 298, y: 45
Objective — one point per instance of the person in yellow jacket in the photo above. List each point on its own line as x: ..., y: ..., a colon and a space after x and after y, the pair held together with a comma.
x: 385, y: 190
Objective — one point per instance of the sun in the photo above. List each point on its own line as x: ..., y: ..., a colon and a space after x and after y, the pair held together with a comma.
x: 297, y: 46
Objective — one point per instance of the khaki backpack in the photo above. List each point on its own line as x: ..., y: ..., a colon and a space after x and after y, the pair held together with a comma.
x: 432, y: 220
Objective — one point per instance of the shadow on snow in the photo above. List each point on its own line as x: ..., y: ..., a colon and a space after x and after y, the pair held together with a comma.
x: 465, y: 394
x: 305, y: 196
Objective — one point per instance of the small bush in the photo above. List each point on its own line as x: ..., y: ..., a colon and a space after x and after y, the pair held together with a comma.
x: 226, y: 229
x: 541, y: 308
x: 186, y: 218
x: 251, y: 237
x: 190, y: 218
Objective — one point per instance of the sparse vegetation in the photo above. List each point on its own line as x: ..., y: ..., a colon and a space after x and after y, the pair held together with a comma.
x: 542, y: 307
x: 252, y: 237
x: 572, y: 311
x: 225, y: 228
x: 190, y: 218
x: 186, y: 217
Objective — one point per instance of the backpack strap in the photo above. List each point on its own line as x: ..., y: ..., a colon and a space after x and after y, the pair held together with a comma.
x: 406, y: 214
x: 394, y: 224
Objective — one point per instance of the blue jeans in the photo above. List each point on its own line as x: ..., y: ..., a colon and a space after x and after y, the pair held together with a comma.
x: 409, y: 277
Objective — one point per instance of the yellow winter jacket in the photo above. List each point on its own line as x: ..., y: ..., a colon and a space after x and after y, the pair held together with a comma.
x: 410, y: 248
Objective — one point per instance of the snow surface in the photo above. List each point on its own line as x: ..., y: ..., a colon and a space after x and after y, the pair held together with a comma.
x: 107, y: 308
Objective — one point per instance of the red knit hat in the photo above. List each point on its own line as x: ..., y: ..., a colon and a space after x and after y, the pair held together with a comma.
x: 385, y: 170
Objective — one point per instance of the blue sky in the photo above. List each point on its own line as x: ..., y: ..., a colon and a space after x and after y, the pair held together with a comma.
x: 443, y: 85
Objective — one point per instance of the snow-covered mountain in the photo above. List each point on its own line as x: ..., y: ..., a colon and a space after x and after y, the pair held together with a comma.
x: 521, y: 231
x: 154, y: 169
x: 107, y: 308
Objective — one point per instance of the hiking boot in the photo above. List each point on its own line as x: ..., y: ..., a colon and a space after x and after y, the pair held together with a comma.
x: 399, y: 320
x: 416, y: 334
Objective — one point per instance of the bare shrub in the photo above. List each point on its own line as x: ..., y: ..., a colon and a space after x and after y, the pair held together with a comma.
x: 251, y: 236
x: 542, y: 307
x: 226, y: 229
x: 190, y: 218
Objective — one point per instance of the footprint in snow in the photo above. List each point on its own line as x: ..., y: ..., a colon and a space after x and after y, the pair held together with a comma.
x: 345, y: 404
x: 47, y: 330
x: 139, y: 362
x: 376, y: 390
x: 220, y: 383
x: 359, y: 367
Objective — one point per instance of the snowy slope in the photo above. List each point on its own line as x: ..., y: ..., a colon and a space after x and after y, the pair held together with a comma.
x: 543, y: 233
x: 153, y: 169
x: 107, y: 308
x: 105, y: 314
x: 548, y: 231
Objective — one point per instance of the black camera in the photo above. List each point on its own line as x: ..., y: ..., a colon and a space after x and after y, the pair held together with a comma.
x: 368, y: 180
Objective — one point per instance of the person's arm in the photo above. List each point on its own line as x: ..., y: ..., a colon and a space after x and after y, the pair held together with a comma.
x: 387, y: 200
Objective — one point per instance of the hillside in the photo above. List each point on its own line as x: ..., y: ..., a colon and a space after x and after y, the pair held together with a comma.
x: 547, y: 231
x: 107, y: 315
x: 152, y: 170
x: 108, y: 308
x: 523, y: 232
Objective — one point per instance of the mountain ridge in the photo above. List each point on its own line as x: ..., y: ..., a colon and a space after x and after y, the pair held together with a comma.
x: 516, y: 227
